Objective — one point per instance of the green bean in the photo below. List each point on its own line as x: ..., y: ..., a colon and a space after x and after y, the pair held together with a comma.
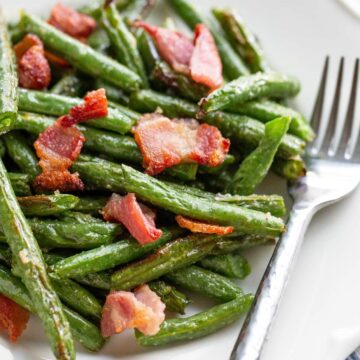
x: 201, y: 324
x: 15, y: 32
x: 83, y: 331
x: 57, y: 105
x: 148, y: 101
x: 91, y: 204
x: 138, y: 9
x: 254, y: 168
x: 251, y: 87
x: 290, y: 169
x: 185, y: 172
x: 240, y: 129
x: 113, y: 93
x: 100, y: 280
x: 47, y: 205
x: 76, y: 297
x: 8, y: 79
x: 229, y: 245
x: 233, y: 66
x: 115, y: 146
x: 69, y: 85
x: 68, y: 232
x: 123, y: 42
x: 80, y: 55
x: 242, y: 39
x: 274, y: 204
x: 109, y: 256
x: 99, y: 39
x: 266, y: 110
x: 174, y: 255
x: 5, y: 255
x: 229, y: 160
x: 20, y: 183
x: 21, y: 153
x: 173, y: 299
x: 247, y: 132
x: 121, y: 178
x: 163, y: 195
x: 28, y: 256
x: 205, y: 282
x: 2, y: 149
x: 230, y: 265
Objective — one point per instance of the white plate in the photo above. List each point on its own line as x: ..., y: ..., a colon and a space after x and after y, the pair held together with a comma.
x: 319, y: 317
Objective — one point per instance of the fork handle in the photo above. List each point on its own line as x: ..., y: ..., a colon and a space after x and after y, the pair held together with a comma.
x: 254, y: 332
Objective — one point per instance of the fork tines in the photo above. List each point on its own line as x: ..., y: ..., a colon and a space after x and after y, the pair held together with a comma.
x: 336, y: 137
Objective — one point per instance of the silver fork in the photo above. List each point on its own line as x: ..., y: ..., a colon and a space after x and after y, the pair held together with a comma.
x: 333, y: 161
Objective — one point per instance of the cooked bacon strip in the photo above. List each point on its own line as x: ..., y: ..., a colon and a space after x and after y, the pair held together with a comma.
x: 94, y: 106
x: 200, y: 60
x: 28, y: 41
x: 205, y: 63
x: 33, y: 67
x: 211, y: 148
x: 57, y: 147
x: 196, y: 226
x: 165, y: 143
x: 69, y: 21
x: 142, y: 309
x: 174, y: 47
x: 137, y: 218
x: 56, y: 60
x: 13, y: 318
x: 60, y: 144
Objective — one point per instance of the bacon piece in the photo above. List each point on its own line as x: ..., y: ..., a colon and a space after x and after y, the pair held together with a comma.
x: 56, y: 60
x: 30, y: 40
x: 33, y: 67
x: 211, y: 147
x: 205, y: 63
x: 69, y: 21
x: 13, y: 318
x: 196, y: 226
x: 141, y: 309
x: 34, y: 70
x: 25, y: 44
x: 94, y: 106
x: 57, y: 147
x: 165, y: 143
x: 174, y: 47
x: 136, y: 217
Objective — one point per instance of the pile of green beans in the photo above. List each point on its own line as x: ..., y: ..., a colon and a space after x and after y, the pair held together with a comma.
x: 59, y: 258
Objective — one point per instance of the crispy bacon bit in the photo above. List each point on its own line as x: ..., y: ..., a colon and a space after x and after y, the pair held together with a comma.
x: 69, y: 21
x: 56, y: 60
x: 25, y: 44
x: 196, y: 226
x: 205, y: 63
x: 165, y: 143
x: 33, y: 67
x: 57, y: 147
x: 201, y: 61
x: 136, y: 217
x: 95, y: 106
x: 175, y: 47
x: 142, y: 309
x: 211, y: 147
x: 13, y: 318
